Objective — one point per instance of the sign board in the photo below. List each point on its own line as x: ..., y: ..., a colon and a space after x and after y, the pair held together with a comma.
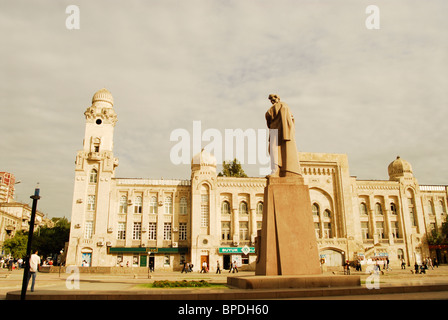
x: 235, y: 250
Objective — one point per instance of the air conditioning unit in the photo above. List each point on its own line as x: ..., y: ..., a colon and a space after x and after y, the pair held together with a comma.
x: 100, y: 243
x: 175, y: 229
x: 109, y: 244
x: 175, y: 245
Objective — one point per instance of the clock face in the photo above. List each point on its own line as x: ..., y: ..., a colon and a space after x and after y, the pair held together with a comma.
x: 98, y: 121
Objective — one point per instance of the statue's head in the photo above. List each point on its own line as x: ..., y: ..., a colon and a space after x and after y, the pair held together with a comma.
x: 274, y: 98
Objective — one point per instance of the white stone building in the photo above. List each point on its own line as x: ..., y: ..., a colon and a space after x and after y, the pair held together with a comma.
x: 142, y: 222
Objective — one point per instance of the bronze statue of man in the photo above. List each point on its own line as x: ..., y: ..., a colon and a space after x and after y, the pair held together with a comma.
x: 282, y: 142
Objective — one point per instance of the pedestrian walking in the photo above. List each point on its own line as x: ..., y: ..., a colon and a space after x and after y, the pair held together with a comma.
x: 34, y: 267
x: 204, y: 267
x: 347, y: 268
x: 235, y: 267
x: 184, y: 269
x: 218, y: 268
x: 403, y: 264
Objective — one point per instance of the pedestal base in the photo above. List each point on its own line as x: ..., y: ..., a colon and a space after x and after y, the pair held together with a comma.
x: 284, y: 282
x: 287, y: 244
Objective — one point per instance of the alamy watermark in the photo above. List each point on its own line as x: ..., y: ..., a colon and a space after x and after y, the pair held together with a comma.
x: 249, y: 146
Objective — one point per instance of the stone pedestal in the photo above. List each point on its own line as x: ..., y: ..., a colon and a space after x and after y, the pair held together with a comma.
x: 287, y: 245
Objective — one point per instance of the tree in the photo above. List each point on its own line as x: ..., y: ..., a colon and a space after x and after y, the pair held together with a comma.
x: 47, y: 241
x: 16, y: 246
x: 50, y: 241
x: 232, y: 168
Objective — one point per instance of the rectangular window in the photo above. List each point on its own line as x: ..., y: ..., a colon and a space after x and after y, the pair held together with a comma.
x: 317, y: 229
x: 121, y: 231
x: 152, y: 231
x: 204, y: 210
x: 137, y: 231
x: 327, y: 230
x: 225, y: 230
x: 91, y: 199
x: 183, y: 205
x: 380, y: 229
x: 167, y: 231
x: 182, y: 231
x: 394, y: 227
x: 365, y: 230
x: 88, y: 230
x: 244, y: 230
x: 166, y: 260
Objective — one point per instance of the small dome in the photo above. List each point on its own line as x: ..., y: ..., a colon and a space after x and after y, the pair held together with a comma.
x: 103, y: 95
x: 399, y: 168
x: 204, y: 158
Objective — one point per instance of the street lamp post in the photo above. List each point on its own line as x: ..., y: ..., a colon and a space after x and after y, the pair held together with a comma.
x: 26, y: 272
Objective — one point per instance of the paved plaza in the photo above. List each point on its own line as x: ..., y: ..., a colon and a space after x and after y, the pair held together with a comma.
x: 57, y: 285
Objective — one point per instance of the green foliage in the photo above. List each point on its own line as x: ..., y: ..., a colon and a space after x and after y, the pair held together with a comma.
x: 439, y: 236
x: 16, y: 246
x: 50, y: 241
x: 232, y: 168
x: 46, y: 240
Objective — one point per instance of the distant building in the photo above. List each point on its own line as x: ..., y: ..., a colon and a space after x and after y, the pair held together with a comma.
x: 7, y: 182
x: 15, y: 216
x: 141, y: 222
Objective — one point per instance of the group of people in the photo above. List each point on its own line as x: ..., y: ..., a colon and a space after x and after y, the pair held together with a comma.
x: 188, y: 267
x: 425, y: 265
x: 34, y: 262
x: 14, y: 263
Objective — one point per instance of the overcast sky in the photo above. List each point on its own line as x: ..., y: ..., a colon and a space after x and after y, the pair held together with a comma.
x: 370, y: 94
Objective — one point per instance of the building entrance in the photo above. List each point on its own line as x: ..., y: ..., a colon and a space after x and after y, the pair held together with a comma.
x: 226, y: 261
x: 204, y: 258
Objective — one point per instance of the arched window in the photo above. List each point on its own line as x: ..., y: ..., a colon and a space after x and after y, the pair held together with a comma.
x: 168, y: 205
x: 363, y: 209
x: 225, y: 207
x: 378, y: 209
x: 430, y: 208
x: 243, y: 207
x: 153, y: 205
x: 315, y: 209
x: 327, y: 214
x: 93, y: 176
x: 205, y: 206
x: 411, y: 207
x: 393, y: 209
x: 138, y: 205
x: 123, y: 204
x: 260, y: 207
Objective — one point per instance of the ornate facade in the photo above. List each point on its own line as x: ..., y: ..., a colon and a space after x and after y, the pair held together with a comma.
x: 160, y: 223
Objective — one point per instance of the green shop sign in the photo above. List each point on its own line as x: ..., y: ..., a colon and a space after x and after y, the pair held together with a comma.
x: 234, y: 250
x: 120, y: 250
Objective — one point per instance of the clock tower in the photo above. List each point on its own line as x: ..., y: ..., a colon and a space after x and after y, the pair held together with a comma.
x: 94, y: 169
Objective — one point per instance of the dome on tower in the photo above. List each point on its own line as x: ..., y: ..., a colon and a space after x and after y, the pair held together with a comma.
x: 204, y: 158
x: 103, y: 95
x: 399, y: 168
